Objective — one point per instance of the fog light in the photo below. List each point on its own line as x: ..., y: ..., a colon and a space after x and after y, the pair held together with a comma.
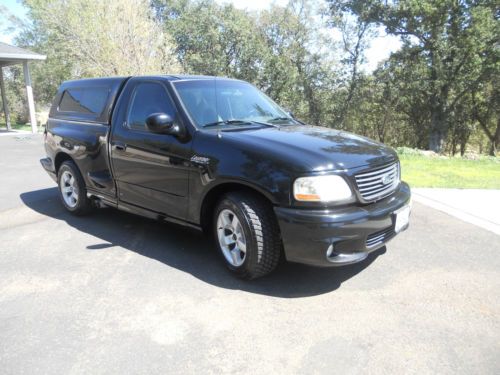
x: 344, y: 259
x: 329, y: 251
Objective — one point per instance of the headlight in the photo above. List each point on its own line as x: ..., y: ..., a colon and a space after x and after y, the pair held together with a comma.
x: 329, y: 188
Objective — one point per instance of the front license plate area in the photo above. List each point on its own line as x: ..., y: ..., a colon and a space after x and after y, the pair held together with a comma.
x: 402, y: 218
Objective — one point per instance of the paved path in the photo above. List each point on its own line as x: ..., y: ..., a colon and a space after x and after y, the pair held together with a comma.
x: 113, y: 293
x: 5, y: 133
x: 476, y: 206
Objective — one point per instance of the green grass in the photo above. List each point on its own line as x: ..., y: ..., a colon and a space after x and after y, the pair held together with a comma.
x: 452, y: 172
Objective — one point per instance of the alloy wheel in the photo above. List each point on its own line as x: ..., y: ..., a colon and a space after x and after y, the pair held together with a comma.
x: 231, y: 237
x: 69, y: 189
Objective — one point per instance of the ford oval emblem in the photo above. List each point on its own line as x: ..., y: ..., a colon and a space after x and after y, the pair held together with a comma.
x: 386, y: 180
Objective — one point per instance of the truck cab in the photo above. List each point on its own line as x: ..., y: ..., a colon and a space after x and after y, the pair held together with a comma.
x: 218, y: 155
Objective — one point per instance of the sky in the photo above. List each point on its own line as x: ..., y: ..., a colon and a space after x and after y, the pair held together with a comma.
x: 380, y: 48
x: 253, y: 4
x: 14, y: 8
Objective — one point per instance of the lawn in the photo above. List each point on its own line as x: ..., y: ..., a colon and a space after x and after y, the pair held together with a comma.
x: 450, y: 172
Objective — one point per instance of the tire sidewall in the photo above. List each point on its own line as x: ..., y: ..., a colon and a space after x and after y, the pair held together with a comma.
x: 251, y: 252
x: 82, y: 192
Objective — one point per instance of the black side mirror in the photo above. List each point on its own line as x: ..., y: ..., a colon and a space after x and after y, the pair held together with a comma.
x: 162, y: 123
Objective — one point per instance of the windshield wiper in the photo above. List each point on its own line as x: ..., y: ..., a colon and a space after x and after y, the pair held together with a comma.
x: 239, y: 122
x: 267, y: 124
x: 226, y: 122
x: 280, y: 119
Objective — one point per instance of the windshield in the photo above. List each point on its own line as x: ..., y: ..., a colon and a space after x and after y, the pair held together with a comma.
x: 217, y: 102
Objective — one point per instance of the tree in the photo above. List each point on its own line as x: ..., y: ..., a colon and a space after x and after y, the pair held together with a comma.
x: 212, y: 39
x: 439, y: 91
x: 271, y: 49
x: 296, y: 73
x: 457, y: 41
x: 356, y: 34
x: 486, y: 110
x: 93, y: 38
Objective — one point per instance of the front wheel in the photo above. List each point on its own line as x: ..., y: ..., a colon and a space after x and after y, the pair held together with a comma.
x: 247, y: 235
x: 72, y: 189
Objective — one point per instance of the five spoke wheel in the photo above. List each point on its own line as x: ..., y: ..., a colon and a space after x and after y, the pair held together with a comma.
x: 69, y: 189
x: 231, y: 237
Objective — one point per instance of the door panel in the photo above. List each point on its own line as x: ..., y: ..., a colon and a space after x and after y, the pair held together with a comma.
x: 151, y: 170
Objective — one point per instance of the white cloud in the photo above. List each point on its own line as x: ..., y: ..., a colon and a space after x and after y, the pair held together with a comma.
x: 380, y: 49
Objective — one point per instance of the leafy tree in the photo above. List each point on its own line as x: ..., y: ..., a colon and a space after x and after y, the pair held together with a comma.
x: 295, y: 72
x: 486, y: 110
x: 271, y: 49
x: 455, y: 40
x: 356, y: 34
x: 440, y: 90
x: 92, y: 38
x: 212, y: 39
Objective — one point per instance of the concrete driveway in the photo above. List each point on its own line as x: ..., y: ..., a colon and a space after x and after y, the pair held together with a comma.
x: 480, y: 207
x: 114, y: 293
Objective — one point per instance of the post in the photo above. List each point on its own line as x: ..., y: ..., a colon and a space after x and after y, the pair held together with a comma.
x: 29, y: 93
x: 4, y: 101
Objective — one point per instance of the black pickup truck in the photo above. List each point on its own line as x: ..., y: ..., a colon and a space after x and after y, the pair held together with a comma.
x: 218, y: 155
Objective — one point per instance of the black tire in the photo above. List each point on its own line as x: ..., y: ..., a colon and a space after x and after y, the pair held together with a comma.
x: 82, y: 204
x: 259, y: 224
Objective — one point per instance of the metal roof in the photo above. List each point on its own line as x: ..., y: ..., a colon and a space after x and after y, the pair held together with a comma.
x: 10, y: 55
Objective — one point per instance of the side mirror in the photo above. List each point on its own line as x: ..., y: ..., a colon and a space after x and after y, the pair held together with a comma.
x: 161, y: 123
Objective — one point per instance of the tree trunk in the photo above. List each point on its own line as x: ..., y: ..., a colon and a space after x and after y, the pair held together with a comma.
x: 495, y: 142
x: 437, y: 137
x: 497, y: 137
x: 463, y: 146
x: 439, y: 129
x: 453, y: 147
x: 494, y: 138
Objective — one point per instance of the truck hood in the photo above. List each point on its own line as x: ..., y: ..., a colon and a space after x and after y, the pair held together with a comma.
x: 314, y: 148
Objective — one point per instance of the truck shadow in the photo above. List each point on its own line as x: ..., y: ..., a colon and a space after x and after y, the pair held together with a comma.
x: 188, y: 250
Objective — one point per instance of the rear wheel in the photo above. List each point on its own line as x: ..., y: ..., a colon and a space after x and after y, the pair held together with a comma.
x: 247, y: 235
x: 72, y: 189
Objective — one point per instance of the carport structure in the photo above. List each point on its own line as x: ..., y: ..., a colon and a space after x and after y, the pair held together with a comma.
x: 11, y: 55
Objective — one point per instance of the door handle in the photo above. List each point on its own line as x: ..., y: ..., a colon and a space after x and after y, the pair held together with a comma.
x: 119, y: 146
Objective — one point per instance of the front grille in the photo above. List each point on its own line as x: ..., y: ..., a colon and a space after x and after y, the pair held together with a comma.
x: 378, y: 183
x: 378, y: 238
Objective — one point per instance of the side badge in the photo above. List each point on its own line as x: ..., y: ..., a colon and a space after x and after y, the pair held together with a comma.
x: 195, y: 159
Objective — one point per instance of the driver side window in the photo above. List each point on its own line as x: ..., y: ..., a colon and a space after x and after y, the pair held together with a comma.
x: 148, y: 98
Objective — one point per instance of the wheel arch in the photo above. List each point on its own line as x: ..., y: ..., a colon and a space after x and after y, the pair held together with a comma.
x: 60, y: 158
x: 215, y: 193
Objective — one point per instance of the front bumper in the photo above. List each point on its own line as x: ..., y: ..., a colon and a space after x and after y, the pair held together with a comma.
x: 342, y: 236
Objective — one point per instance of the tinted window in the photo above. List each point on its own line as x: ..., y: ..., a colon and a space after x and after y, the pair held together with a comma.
x: 89, y: 100
x: 148, y: 98
x: 208, y: 101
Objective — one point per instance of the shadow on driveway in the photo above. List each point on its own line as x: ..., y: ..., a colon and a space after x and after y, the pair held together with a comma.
x: 189, y: 251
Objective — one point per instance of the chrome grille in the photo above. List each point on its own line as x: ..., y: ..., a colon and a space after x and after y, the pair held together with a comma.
x: 378, y: 183
x: 379, y: 238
